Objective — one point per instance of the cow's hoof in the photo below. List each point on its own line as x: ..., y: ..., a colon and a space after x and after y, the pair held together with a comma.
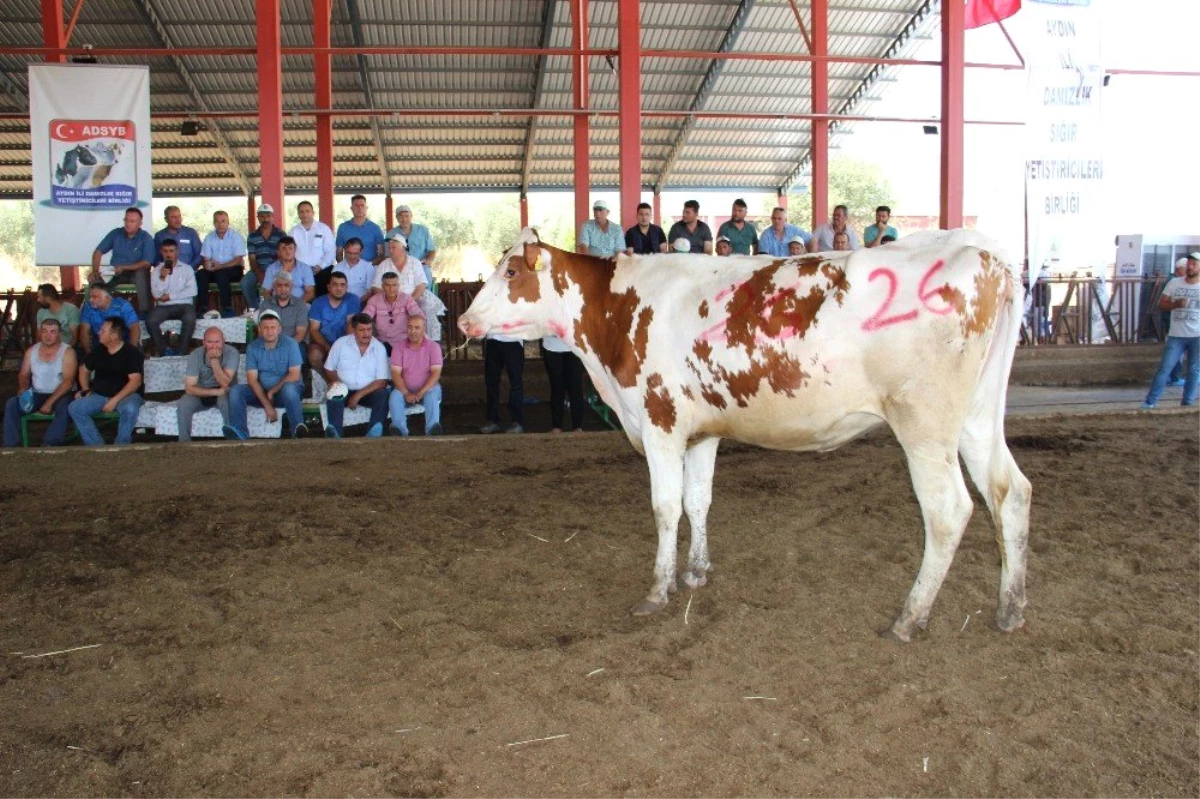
x: 693, y: 580
x: 1007, y: 623
x: 648, y: 608
x: 890, y: 634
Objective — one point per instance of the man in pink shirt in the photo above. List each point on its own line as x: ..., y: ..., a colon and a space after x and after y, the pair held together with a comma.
x: 391, y: 309
x: 416, y: 369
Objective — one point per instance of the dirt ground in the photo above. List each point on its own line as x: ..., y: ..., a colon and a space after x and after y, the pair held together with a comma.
x: 403, y: 617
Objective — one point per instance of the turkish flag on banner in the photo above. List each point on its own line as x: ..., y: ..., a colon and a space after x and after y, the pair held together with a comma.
x: 985, y: 12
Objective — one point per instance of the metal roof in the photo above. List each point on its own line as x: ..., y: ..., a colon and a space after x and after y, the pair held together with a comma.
x: 440, y: 152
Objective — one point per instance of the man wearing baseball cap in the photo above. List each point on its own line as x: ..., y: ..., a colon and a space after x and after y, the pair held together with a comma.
x: 263, y: 248
x: 1181, y: 296
x: 598, y: 236
x: 420, y: 242
x: 724, y: 246
x: 272, y: 380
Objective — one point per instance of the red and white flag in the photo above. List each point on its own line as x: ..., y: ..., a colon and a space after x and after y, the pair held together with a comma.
x: 985, y: 12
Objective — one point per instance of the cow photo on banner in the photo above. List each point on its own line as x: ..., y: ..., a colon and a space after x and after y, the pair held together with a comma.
x: 89, y: 128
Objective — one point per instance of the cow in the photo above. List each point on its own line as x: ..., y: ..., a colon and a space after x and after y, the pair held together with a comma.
x: 802, y: 353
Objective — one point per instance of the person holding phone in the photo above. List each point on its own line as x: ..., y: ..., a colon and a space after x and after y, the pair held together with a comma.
x: 174, y: 288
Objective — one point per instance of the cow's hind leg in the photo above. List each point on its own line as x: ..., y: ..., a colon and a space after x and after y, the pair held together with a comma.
x: 946, y: 508
x: 666, y: 490
x: 698, y: 466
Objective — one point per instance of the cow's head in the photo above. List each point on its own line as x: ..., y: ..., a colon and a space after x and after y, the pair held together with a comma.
x: 518, y: 299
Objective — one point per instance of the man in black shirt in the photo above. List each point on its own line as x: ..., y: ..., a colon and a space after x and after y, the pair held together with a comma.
x: 116, y: 385
x: 645, y: 238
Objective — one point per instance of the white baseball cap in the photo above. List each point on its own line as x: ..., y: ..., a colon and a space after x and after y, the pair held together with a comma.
x: 599, y: 205
x: 337, y: 390
x: 796, y: 240
x: 681, y: 245
x: 266, y: 208
x: 724, y: 239
x: 1181, y: 262
x: 402, y: 208
x: 1195, y: 256
x: 400, y: 238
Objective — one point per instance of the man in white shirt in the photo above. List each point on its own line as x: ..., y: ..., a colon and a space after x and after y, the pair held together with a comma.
x: 822, y: 237
x: 360, y: 362
x: 359, y: 273
x: 173, y: 286
x: 314, y: 245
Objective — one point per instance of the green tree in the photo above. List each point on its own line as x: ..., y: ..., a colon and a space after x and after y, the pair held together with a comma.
x: 499, y: 224
x: 858, y: 185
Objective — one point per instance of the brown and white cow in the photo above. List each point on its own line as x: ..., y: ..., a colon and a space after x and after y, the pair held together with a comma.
x: 800, y: 353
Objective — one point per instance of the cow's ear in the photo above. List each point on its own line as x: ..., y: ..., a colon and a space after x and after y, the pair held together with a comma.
x: 532, y: 254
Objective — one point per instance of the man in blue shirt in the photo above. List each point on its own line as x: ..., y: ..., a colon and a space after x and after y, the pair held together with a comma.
x: 187, y: 240
x: 223, y: 256
x: 272, y: 380
x: 132, y: 254
x: 775, y: 239
x: 103, y: 305
x: 262, y: 246
x: 363, y: 229
x: 881, y: 228
x: 327, y: 319
x: 421, y: 244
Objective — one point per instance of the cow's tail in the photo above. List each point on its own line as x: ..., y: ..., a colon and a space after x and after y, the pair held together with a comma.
x: 991, y: 388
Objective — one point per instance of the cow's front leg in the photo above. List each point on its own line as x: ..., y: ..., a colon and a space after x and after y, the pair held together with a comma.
x: 665, y: 459
x: 698, y: 467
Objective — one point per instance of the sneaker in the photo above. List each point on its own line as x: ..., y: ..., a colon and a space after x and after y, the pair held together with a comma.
x: 232, y: 433
x: 1191, y: 404
x: 376, y: 430
x: 515, y: 427
x: 331, y: 432
x: 436, y: 430
x: 1148, y: 406
x: 490, y: 427
x: 301, y: 431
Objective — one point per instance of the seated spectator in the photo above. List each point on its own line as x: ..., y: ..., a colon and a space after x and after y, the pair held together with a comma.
x: 117, y: 385
x: 44, y: 385
x: 724, y: 247
x: 223, y: 257
x: 822, y: 238
x: 416, y: 370
x: 841, y: 241
x: 358, y: 271
x: 272, y: 380
x: 360, y: 363
x: 292, y: 313
x: 211, y: 373
x: 391, y: 309
x: 52, y: 306
x: 363, y: 229
x: 876, y: 233
x: 132, y: 254
x: 329, y: 319
x: 797, y: 246
x: 103, y: 305
x: 691, y: 227
x: 173, y: 285
x: 314, y: 245
x: 777, y: 239
x: 598, y: 236
x: 645, y: 238
x: 187, y: 240
x: 411, y: 283
x: 303, y: 283
x: 262, y: 246
x: 742, y: 235
x: 565, y: 371
x: 421, y: 244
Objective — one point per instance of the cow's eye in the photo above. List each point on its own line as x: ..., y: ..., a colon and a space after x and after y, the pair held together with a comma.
x: 510, y: 273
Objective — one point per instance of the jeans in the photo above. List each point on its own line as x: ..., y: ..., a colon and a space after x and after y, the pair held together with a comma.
x: 185, y: 312
x: 250, y: 289
x: 83, y: 409
x: 56, y: 434
x: 499, y: 357
x: 139, y: 278
x: 288, y: 398
x: 431, y: 402
x: 565, y: 371
x: 1175, y: 348
x: 224, y: 279
x: 377, y: 401
x: 189, y: 405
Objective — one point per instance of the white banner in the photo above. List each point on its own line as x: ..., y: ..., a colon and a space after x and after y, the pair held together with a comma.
x: 1065, y: 150
x: 89, y: 127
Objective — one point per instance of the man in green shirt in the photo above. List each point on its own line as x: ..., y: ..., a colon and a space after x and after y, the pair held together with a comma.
x: 52, y: 306
x: 742, y: 235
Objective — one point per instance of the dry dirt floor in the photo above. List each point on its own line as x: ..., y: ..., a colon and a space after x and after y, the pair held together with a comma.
x: 450, y: 618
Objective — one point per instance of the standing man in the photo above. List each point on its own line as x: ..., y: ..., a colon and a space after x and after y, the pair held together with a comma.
x: 223, y: 257
x: 421, y: 244
x: 187, y: 240
x: 44, y: 385
x: 329, y: 319
x: 645, y: 238
x: 51, y: 306
x: 742, y: 235
x: 776, y: 239
x: 303, y: 283
x: 698, y: 234
x: 263, y: 247
x: 102, y: 305
x: 117, y: 385
x: 1181, y: 296
x: 314, y: 245
x: 416, y: 370
x: 873, y: 236
x: 174, y: 288
x: 132, y: 253
x: 598, y: 236
x: 293, y: 313
x: 359, y: 272
x: 361, y: 228
x: 822, y: 238
x: 272, y: 381
x: 210, y: 373
x: 361, y: 364
x: 501, y: 354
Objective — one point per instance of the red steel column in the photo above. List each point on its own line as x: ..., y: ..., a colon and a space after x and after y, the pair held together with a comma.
x: 323, y: 73
x: 781, y: 200
x: 270, y: 106
x: 656, y: 204
x: 251, y: 214
x: 953, y: 53
x: 582, y: 124
x: 629, y: 81
x: 820, y: 103
x: 389, y: 210
x: 54, y: 35
x: 524, y: 211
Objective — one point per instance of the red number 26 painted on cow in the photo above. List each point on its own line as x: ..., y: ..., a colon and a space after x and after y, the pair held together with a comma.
x: 880, y: 320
